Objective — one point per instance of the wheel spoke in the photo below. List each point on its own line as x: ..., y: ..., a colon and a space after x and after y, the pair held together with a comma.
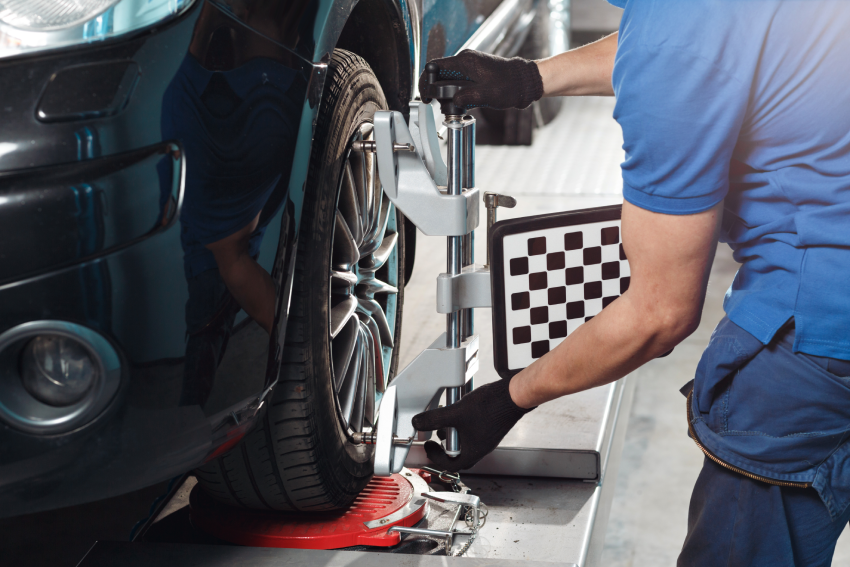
x: 349, y: 203
x: 357, y: 163
x: 369, y: 288
x: 372, y: 307
x: 379, y: 257
x: 373, y: 240
x: 366, y: 370
x: 342, y: 279
x: 343, y: 349
x: 375, y: 197
x: 348, y: 392
x: 375, y: 345
x: 341, y: 313
x: 369, y: 410
x: 345, y: 251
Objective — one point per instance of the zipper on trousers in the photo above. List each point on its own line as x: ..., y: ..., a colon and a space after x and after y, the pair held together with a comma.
x: 710, y: 455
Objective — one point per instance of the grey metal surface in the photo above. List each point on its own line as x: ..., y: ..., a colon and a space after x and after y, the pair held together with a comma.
x: 409, y: 185
x: 612, y: 451
x: 470, y: 288
x: 524, y: 461
x: 126, y: 554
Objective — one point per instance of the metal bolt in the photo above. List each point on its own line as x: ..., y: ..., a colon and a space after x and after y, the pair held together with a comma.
x: 363, y: 146
x: 403, y: 147
x: 370, y: 146
x: 492, y: 201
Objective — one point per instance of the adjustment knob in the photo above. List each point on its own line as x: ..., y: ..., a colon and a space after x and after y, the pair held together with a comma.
x: 444, y: 91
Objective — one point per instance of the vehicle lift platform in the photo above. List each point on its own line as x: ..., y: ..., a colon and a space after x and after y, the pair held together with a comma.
x: 533, y: 520
x: 543, y: 497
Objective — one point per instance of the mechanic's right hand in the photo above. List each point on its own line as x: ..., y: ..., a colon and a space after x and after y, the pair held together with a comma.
x: 482, y: 419
x: 499, y: 83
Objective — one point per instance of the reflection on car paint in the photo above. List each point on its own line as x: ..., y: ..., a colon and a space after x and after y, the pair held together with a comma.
x: 235, y: 110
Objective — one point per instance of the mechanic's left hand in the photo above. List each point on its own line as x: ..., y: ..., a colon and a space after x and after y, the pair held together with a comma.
x: 482, y: 419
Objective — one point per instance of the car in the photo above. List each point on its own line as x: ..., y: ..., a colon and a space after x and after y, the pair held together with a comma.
x: 196, y: 270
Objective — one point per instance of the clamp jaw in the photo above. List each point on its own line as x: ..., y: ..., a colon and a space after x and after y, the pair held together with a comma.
x: 412, y: 180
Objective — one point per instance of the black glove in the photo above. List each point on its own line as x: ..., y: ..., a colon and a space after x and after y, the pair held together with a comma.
x: 500, y: 83
x: 482, y: 419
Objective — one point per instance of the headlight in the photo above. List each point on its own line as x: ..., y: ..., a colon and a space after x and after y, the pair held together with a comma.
x: 34, y: 25
x: 57, y: 370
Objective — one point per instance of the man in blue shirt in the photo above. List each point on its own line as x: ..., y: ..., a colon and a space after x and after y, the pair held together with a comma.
x: 736, y: 126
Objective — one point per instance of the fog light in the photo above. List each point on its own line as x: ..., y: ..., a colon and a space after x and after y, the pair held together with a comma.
x: 57, y: 370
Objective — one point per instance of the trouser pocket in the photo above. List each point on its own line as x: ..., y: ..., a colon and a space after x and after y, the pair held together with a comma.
x: 781, y: 409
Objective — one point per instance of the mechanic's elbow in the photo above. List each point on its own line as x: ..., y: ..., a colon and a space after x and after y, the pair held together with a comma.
x: 673, y: 326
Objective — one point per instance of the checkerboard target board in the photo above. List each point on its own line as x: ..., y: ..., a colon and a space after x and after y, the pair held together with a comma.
x: 551, y: 274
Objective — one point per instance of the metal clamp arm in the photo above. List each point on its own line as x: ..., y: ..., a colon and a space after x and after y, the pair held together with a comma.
x: 414, y: 390
x: 423, y: 128
x: 408, y: 183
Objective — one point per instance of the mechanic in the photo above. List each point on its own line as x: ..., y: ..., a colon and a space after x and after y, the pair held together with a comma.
x: 736, y: 125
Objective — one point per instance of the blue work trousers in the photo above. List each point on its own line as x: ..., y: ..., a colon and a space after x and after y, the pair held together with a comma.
x: 735, y: 520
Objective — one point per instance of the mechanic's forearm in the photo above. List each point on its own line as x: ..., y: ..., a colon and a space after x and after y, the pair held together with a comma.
x: 619, y: 340
x: 585, y: 71
x: 649, y: 319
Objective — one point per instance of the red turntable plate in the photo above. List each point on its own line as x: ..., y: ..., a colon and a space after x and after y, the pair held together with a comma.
x: 385, y: 502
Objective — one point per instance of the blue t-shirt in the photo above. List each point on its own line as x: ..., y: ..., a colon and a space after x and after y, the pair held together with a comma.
x: 748, y: 101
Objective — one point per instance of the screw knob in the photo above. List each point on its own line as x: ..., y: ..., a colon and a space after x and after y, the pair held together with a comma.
x: 493, y: 200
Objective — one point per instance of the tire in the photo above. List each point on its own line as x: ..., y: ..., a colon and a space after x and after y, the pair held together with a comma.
x: 338, y: 354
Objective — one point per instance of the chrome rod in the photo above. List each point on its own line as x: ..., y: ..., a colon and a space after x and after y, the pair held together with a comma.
x: 421, y: 531
x: 468, y: 152
x: 455, y: 169
x: 468, y: 240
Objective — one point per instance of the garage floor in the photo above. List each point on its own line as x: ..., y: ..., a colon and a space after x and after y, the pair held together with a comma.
x: 574, y: 163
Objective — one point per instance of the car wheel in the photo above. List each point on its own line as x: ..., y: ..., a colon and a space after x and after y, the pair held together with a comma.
x: 344, y: 322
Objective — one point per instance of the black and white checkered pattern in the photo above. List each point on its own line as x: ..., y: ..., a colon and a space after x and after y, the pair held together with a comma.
x: 555, y: 280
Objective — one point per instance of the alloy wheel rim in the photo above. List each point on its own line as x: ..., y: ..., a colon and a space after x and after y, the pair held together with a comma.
x: 364, y: 280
